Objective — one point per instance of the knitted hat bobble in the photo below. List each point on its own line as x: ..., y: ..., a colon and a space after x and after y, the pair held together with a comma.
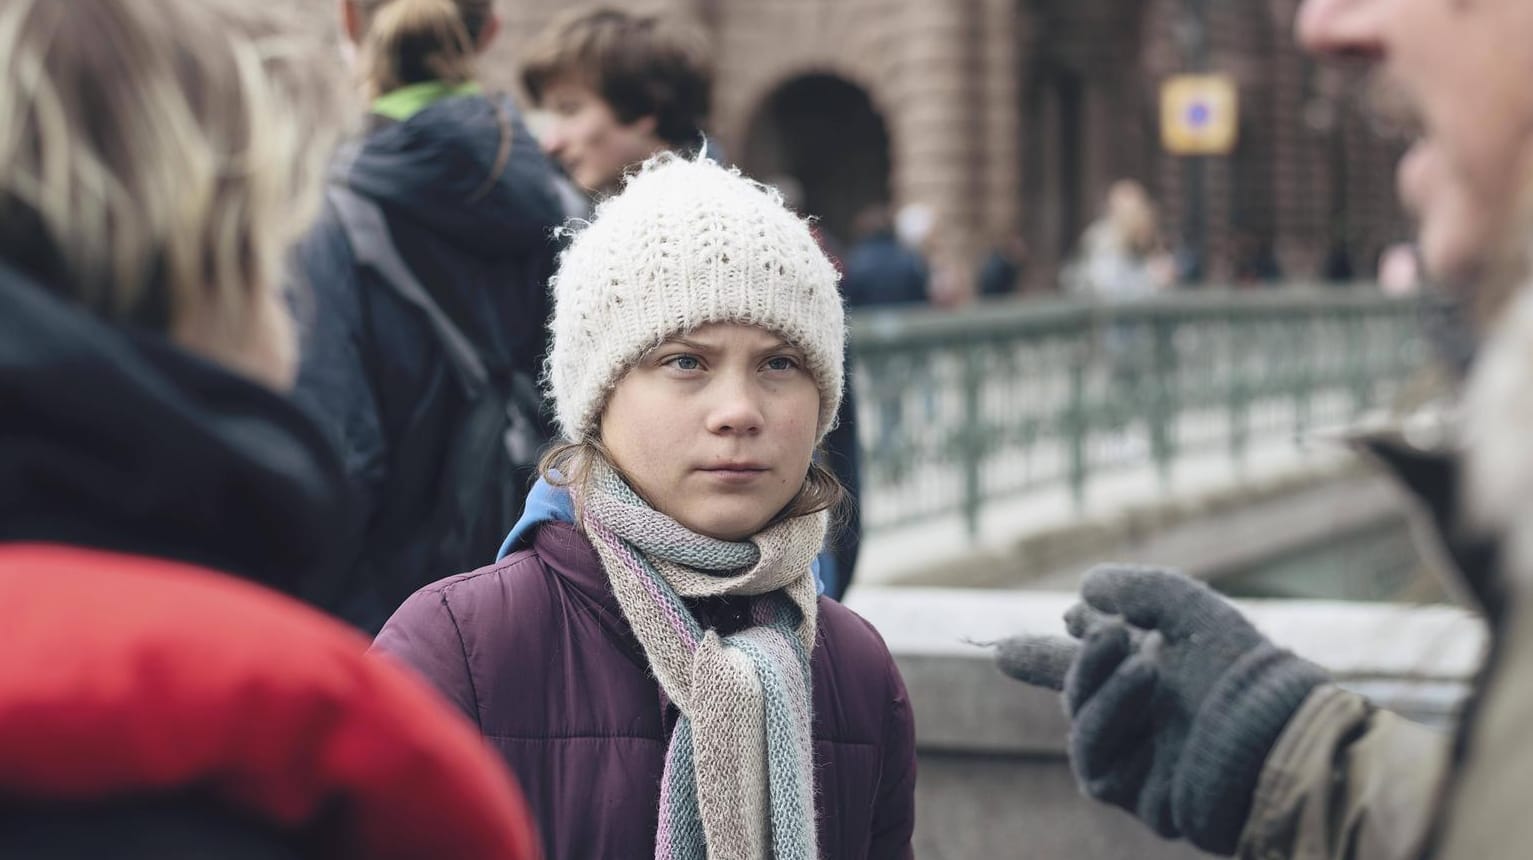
x: 685, y: 244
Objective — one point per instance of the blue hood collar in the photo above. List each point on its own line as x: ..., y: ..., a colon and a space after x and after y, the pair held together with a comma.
x: 550, y: 504
x: 545, y: 504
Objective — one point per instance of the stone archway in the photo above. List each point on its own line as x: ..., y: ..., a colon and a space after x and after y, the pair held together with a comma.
x: 823, y: 131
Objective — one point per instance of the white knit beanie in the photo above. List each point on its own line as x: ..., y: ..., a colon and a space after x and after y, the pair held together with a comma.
x: 687, y: 243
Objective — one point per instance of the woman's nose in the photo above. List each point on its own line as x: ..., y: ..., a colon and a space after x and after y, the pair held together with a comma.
x: 1343, y: 27
x: 738, y: 409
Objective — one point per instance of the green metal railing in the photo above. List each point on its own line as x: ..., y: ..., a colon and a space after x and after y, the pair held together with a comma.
x: 957, y: 409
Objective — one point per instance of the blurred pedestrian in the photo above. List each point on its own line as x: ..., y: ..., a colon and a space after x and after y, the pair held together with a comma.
x: 1256, y: 262
x: 1121, y: 261
x: 161, y: 693
x: 427, y: 275
x: 881, y: 270
x: 1121, y: 257
x: 1188, y: 716
x: 658, y: 597
x: 1000, y: 272
x: 885, y: 270
x: 1338, y: 268
x: 620, y: 87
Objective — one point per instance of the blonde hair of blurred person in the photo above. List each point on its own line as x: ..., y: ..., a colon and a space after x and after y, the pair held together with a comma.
x: 1120, y: 256
x: 144, y: 178
x: 156, y: 161
x: 616, y: 87
x: 1133, y: 217
x: 404, y: 42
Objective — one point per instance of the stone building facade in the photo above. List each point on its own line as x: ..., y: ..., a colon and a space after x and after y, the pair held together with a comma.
x: 1016, y: 115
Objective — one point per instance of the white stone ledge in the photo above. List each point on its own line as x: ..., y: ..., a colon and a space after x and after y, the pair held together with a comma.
x: 1417, y: 660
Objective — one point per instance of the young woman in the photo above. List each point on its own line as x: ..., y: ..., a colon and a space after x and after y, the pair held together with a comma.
x: 649, y: 654
x: 618, y: 87
x: 467, y: 208
x: 161, y: 692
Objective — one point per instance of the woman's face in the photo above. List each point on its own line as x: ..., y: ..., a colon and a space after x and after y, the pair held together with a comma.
x: 716, y: 428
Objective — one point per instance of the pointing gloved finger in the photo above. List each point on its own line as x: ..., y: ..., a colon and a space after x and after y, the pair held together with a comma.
x: 1041, y: 661
x: 1101, y: 654
x: 1124, y: 776
x: 1154, y: 805
x: 1112, y: 743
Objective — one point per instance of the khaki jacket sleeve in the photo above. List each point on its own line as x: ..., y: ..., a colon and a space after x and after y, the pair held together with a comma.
x: 1346, y: 780
x: 1487, y: 816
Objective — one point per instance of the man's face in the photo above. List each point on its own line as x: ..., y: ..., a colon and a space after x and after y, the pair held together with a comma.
x: 1465, y: 68
x: 581, y: 132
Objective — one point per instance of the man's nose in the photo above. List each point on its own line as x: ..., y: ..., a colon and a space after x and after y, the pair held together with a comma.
x: 1352, y: 28
x: 552, y: 137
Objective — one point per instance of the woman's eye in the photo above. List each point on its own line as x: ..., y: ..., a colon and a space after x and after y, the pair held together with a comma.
x: 781, y: 362
x: 685, y: 362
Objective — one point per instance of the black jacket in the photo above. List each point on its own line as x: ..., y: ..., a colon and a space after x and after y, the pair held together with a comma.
x: 171, y: 827
x: 474, y: 219
x: 119, y: 440
x: 881, y: 271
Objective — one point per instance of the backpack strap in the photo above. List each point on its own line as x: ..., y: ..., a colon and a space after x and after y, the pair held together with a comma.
x: 368, y: 233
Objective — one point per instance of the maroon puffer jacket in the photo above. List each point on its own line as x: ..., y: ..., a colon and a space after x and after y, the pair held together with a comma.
x: 535, y: 650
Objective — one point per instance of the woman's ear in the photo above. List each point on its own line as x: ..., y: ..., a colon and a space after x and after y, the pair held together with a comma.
x: 488, y: 32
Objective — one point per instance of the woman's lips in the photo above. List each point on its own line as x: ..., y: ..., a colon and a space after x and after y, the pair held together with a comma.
x: 733, y: 474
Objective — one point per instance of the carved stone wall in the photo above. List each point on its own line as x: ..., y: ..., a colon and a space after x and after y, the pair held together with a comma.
x: 1007, y: 115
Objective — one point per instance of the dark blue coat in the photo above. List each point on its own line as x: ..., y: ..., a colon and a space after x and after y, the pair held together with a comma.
x: 470, y: 204
x: 881, y: 271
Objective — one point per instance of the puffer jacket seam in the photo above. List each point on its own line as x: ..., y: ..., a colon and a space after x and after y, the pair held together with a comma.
x: 468, y: 668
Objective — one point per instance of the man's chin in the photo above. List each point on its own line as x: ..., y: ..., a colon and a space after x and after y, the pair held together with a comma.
x: 1480, y: 277
x: 1454, y: 262
x: 1457, y: 279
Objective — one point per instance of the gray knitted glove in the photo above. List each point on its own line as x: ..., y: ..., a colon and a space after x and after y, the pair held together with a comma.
x: 1175, y: 699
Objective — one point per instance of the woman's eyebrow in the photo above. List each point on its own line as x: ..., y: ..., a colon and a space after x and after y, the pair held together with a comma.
x: 698, y: 346
x: 689, y: 344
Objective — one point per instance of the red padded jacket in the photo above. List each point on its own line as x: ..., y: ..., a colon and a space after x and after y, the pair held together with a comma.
x: 126, y: 676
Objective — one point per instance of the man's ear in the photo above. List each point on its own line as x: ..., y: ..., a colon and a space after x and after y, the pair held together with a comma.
x: 646, y: 125
x: 488, y: 32
x: 351, y: 21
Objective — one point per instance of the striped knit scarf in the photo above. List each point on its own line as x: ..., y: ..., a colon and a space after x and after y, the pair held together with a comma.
x: 739, y: 777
